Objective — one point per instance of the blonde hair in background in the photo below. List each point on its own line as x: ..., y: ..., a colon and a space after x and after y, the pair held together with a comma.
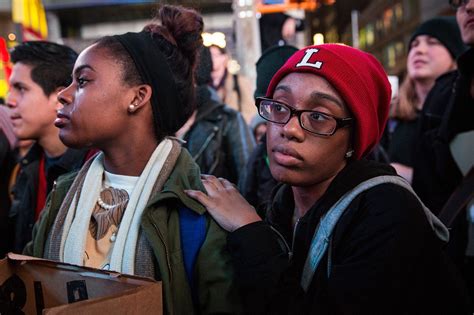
x: 407, y: 102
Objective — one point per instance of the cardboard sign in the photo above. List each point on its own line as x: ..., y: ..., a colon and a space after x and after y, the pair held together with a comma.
x: 30, y: 285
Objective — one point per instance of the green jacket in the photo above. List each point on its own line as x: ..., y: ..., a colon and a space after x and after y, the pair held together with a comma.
x: 160, y: 222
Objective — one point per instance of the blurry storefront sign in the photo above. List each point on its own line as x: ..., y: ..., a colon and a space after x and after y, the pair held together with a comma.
x: 67, y: 4
x: 30, y: 19
x: 30, y: 15
x: 5, y: 68
x: 274, y: 6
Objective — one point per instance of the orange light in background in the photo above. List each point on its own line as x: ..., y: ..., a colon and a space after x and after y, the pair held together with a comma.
x: 11, y: 37
x: 285, y: 5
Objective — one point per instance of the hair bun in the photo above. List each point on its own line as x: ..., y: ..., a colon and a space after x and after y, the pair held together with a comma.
x: 178, y: 37
x: 182, y: 27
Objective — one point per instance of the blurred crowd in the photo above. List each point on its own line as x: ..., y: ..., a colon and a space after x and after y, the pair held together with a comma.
x: 145, y: 147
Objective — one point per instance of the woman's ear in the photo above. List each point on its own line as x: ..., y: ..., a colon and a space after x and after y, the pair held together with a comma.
x: 142, y: 96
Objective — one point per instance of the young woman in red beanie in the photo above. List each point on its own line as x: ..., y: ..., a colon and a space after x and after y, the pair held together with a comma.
x: 343, y: 235
x: 125, y: 210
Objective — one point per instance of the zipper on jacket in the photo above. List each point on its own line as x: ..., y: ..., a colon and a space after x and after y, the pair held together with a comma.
x: 290, y: 253
x: 52, y: 193
x: 293, y: 238
x: 166, y: 250
x: 51, y: 197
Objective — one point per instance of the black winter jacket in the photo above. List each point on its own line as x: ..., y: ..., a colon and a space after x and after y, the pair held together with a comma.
x: 22, y: 212
x: 385, y: 257
x: 219, y: 141
x: 448, y: 111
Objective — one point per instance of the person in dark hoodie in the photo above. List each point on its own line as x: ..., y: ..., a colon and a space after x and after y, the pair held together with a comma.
x: 216, y: 135
x: 344, y: 235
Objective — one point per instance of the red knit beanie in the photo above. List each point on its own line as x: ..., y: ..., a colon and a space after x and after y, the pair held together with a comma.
x: 359, y: 79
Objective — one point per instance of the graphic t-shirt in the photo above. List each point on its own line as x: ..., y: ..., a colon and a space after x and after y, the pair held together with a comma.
x: 106, y: 218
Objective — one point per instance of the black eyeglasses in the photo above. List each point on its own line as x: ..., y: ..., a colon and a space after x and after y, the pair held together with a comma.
x: 455, y: 4
x: 313, y: 121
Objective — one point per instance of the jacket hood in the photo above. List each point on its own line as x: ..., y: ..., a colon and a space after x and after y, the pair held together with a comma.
x: 72, y: 159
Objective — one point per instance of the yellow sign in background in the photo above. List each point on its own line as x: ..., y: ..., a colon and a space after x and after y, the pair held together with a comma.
x: 31, y: 15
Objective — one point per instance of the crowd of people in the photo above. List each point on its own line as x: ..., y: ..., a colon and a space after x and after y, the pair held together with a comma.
x: 131, y: 157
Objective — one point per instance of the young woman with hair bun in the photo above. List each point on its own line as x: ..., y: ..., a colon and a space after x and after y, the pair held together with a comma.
x: 126, y: 209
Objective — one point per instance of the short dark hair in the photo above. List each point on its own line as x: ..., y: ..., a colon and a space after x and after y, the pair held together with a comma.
x: 51, y: 63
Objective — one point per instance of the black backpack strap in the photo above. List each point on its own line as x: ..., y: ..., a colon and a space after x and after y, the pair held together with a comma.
x: 458, y: 200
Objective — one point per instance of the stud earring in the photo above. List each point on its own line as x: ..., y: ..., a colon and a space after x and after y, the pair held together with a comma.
x: 131, y: 108
x: 349, y: 154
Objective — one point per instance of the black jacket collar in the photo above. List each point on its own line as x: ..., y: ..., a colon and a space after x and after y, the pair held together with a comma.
x: 353, y: 174
x: 466, y: 63
x: 70, y: 160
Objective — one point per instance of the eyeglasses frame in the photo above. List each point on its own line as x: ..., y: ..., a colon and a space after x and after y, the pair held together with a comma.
x: 340, y: 122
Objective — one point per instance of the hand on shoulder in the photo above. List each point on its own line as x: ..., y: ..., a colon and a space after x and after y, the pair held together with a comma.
x: 225, y: 204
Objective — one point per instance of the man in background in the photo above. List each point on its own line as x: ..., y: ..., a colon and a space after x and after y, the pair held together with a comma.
x: 41, y: 70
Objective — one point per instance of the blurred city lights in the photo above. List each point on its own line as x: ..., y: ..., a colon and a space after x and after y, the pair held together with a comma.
x: 233, y: 66
x: 318, y: 39
x: 214, y: 39
x: 11, y: 37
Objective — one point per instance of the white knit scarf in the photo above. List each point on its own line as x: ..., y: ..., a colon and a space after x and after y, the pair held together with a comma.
x: 76, y: 225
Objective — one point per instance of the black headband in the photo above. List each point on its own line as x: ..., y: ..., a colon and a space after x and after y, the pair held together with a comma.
x: 153, y: 68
